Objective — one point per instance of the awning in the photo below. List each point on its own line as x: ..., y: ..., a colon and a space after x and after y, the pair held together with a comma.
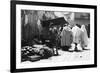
x: 57, y: 21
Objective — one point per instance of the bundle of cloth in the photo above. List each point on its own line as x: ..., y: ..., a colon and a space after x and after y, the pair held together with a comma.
x: 35, y: 52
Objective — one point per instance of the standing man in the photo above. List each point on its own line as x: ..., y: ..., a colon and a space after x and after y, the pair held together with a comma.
x: 66, y: 37
x: 77, y: 38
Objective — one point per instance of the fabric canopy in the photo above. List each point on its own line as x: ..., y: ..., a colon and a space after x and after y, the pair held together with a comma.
x: 57, y: 21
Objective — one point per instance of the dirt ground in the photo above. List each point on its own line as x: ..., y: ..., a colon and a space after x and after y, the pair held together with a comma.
x: 65, y: 56
x: 68, y: 56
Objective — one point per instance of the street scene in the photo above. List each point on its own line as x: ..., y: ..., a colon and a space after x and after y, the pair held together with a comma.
x: 54, y: 36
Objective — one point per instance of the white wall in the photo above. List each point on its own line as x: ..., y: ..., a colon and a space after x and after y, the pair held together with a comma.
x: 5, y: 36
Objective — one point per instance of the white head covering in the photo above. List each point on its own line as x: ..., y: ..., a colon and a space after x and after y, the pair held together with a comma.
x: 83, y: 28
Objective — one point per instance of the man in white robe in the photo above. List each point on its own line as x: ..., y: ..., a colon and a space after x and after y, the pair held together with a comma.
x: 77, y: 38
x: 84, y: 37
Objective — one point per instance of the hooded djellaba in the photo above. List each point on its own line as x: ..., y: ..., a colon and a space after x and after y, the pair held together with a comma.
x: 66, y: 36
x: 84, y: 37
x: 77, y: 37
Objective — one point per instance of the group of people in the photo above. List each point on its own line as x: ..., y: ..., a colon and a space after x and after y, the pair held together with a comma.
x: 74, y: 38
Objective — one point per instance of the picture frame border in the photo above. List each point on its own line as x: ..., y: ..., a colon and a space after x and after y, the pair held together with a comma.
x: 13, y: 35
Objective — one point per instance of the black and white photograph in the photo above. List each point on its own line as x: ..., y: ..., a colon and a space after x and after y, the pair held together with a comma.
x: 50, y: 36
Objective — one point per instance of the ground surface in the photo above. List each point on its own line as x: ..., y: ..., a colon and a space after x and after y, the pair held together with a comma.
x: 69, y: 56
x: 66, y: 56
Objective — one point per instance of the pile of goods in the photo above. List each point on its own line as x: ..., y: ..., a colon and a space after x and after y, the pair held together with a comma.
x: 35, y: 53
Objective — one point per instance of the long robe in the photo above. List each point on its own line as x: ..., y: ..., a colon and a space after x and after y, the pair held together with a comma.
x: 77, y: 35
x: 66, y: 36
x: 84, y: 37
